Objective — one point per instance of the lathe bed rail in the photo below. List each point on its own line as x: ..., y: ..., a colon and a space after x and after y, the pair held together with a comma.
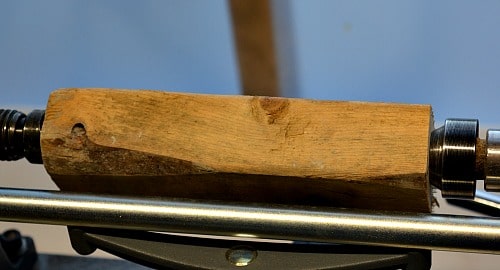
x: 408, y: 230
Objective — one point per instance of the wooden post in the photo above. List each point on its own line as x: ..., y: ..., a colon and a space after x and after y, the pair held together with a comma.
x: 239, y: 148
x: 255, y: 47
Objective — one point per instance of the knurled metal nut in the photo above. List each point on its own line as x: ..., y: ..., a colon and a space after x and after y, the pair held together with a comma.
x: 453, y: 158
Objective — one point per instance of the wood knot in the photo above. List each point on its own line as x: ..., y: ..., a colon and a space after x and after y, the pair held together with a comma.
x: 269, y: 109
x: 78, y: 136
x: 78, y: 130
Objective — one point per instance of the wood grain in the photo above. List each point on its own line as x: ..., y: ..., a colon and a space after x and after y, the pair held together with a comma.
x: 243, y: 148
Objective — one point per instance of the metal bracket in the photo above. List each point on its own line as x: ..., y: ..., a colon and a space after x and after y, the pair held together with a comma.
x: 166, y: 251
x: 484, y: 203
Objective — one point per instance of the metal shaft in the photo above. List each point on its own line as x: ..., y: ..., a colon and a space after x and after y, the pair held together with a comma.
x: 439, y: 232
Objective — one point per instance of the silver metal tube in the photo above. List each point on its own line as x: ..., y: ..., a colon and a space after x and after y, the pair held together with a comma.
x: 438, y: 232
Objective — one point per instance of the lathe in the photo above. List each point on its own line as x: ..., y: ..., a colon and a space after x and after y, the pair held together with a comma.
x: 335, y: 178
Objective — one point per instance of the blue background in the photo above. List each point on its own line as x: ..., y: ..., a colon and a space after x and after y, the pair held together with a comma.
x: 444, y: 53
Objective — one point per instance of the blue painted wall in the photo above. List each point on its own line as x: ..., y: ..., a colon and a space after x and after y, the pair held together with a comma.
x: 170, y: 45
x: 445, y: 53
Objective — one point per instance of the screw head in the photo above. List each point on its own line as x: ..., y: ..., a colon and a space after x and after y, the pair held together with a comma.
x: 241, y: 255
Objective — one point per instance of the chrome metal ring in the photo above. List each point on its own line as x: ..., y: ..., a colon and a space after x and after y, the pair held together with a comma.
x: 492, y: 163
x: 452, y: 161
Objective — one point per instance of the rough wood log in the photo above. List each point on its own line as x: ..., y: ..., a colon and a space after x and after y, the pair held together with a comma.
x: 239, y: 148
